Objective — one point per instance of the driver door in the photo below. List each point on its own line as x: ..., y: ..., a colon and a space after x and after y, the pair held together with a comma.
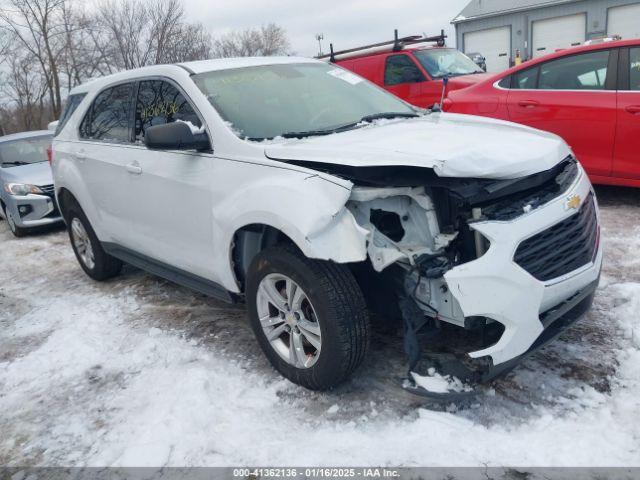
x: 171, y: 211
x: 404, y: 79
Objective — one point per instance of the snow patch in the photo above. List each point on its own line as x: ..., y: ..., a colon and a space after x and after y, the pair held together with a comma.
x: 194, y: 129
x: 436, y: 383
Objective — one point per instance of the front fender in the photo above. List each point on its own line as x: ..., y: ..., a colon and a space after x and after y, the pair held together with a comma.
x: 308, y: 209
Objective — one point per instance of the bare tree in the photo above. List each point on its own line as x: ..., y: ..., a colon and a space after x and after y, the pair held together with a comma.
x: 268, y: 40
x: 152, y: 33
x: 48, y: 47
x: 22, y: 85
x: 124, y: 23
x: 35, y: 24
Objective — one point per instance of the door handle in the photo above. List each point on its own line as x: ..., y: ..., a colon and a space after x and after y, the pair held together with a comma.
x: 81, y: 156
x: 633, y: 109
x: 528, y: 103
x: 134, y: 169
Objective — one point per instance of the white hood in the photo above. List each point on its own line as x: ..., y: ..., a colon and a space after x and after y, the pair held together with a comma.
x: 452, y: 145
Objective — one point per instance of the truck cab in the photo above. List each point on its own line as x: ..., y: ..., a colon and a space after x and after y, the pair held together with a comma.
x: 411, y: 68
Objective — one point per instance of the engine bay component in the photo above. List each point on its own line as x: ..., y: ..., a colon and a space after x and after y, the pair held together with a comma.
x: 402, y: 224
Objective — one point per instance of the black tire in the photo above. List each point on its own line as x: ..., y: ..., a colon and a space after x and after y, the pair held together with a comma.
x: 338, y: 303
x: 15, y: 230
x: 105, y: 266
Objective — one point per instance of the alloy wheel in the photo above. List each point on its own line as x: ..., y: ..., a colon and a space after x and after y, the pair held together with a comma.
x: 289, y: 320
x: 82, y: 243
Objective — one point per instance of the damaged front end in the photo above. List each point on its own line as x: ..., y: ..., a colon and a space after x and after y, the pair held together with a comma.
x: 446, y: 257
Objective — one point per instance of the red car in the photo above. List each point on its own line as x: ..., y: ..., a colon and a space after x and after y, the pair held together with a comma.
x: 410, y: 69
x: 589, y: 95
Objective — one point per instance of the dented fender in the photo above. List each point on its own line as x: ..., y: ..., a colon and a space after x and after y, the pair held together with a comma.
x: 306, y: 208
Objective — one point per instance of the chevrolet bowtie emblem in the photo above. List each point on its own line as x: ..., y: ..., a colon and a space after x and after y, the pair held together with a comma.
x: 573, y: 202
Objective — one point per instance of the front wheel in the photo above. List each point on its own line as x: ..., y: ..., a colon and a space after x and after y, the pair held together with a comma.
x: 309, y: 317
x: 16, y: 230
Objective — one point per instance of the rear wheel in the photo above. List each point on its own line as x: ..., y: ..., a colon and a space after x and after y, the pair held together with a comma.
x: 92, y: 258
x: 309, y: 317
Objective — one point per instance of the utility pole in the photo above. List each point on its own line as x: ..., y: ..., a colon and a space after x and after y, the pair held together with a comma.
x: 319, y: 38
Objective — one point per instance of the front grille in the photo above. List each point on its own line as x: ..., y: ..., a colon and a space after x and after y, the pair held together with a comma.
x: 47, y: 189
x: 50, y: 191
x: 562, y: 248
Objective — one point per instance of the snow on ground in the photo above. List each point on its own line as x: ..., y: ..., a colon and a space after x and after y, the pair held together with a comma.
x: 137, y: 371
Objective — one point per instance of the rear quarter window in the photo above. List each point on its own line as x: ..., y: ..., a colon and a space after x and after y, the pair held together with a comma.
x: 72, y: 103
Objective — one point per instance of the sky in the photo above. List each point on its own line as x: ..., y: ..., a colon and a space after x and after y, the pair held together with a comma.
x: 345, y: 23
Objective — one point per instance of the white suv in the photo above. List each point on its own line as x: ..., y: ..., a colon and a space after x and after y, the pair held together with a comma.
x: 316, y: 197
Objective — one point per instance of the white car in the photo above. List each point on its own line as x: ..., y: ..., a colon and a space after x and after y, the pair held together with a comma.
x: 316, y: 197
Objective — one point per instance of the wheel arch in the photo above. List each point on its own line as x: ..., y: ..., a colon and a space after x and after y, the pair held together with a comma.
x: 65, y: 200
x: 250, y: 240
x: 340, y: 240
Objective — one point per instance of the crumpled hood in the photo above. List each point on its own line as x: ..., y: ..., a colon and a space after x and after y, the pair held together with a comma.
x: 452, y: 145
x: 33, y: 174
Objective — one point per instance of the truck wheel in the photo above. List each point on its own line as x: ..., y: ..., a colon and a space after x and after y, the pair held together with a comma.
x: 92, y: 258
x: 17, y: 231
x: 309, y: 316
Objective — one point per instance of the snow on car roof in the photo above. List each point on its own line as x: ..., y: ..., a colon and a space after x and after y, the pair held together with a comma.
x: 187, y: 68
x: 22, y: 135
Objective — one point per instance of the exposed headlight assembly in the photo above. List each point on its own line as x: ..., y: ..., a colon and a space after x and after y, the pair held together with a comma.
x: 21, y: 189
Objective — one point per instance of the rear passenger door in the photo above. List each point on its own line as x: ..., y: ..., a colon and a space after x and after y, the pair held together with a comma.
x: 105, y: 134
x: 574, y: 97
x: 170, y: 191
x: 626, y: 163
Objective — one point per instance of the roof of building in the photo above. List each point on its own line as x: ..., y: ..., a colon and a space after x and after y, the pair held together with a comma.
x: 489, y: 8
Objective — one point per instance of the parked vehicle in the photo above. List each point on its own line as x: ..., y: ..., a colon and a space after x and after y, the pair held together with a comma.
x: 479, y: 60
x: 411, y: 68
x: 589, y: 95
x: 27, y: 197
x: 315, y: 196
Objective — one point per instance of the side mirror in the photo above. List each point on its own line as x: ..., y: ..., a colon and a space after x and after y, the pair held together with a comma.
x: 175, y: 136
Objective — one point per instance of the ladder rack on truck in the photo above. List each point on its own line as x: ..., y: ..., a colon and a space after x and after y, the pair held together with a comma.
x: 394, y: 45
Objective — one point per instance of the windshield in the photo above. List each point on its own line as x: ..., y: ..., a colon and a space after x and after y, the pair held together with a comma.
x: 25, y: 151
x: 439, y: 62
x: 268, y: 101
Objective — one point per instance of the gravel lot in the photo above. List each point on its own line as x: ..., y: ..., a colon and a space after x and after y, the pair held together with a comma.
x: 138, y: 371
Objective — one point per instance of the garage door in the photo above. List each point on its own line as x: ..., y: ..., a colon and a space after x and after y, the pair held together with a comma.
x: 624, y: 21
x: 494, y: 44
x: 560, y: 32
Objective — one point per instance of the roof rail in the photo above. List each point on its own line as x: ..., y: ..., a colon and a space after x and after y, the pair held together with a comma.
x: 394, y: 45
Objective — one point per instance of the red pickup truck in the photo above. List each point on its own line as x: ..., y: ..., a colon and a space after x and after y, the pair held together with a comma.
x: 411, y: 67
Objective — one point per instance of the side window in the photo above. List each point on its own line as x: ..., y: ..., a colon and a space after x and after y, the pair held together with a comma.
x: 160, y: 102
x: 108, y: 117
x: 587, y: 71
x: 72, y: 103
x: 525, y: 79
x: 634, y: 66
x: 505, y: 82
x: 401, y: 69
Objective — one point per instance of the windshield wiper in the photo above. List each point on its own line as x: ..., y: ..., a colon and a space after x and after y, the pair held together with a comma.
x: 379, y: 116
x: 350, y: 125
x: 18, y: 163
x: 316, y: 133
